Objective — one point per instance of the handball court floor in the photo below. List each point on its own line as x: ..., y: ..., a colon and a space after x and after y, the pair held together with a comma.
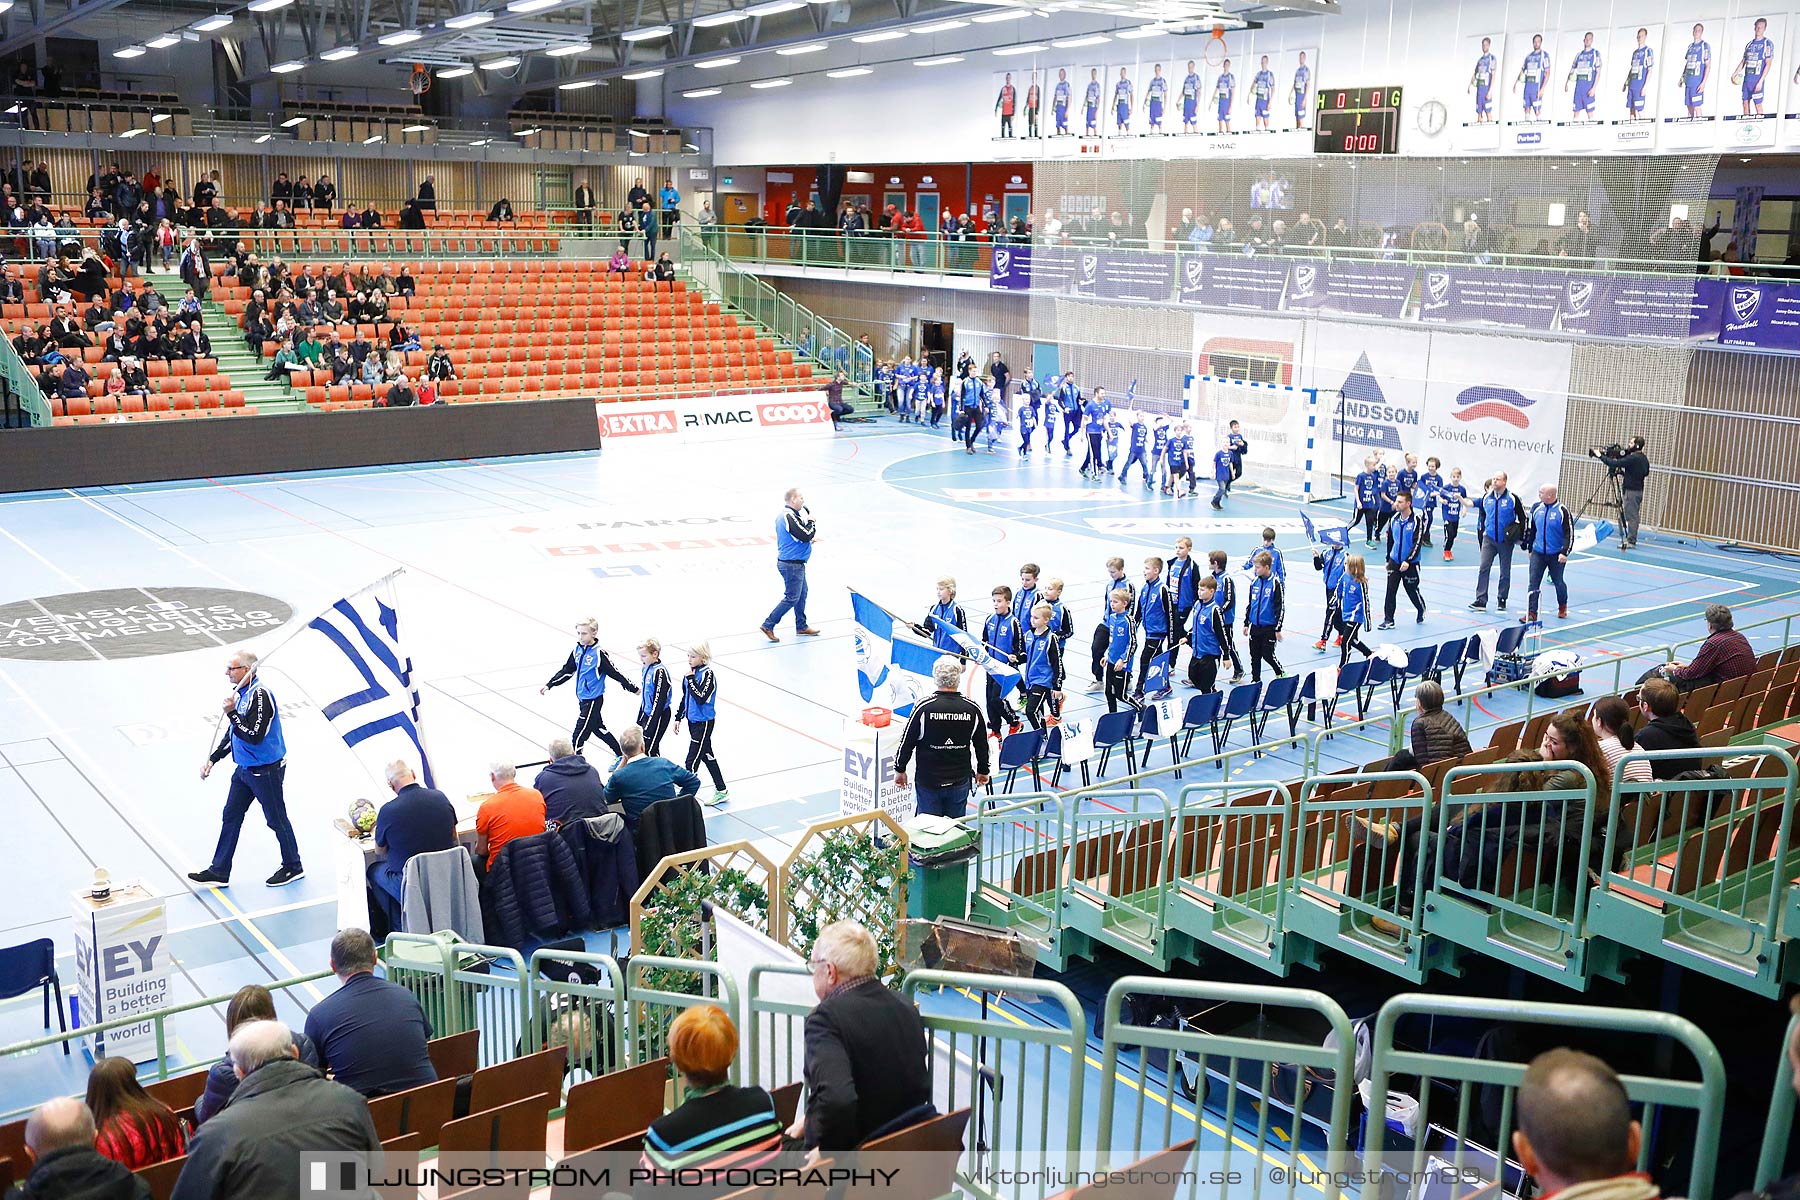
x: 99, y: 758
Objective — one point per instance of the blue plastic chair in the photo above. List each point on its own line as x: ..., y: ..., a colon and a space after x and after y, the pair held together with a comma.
x: 1350, y: 680
x: 1450, y: 657
x: 1471, y: 654
x: 1017, y: 751
x: 1511, y: 638
x: 1381, y: 671
x: 1419, y: 661
x: 1202, y: 711
x: 1050, y: 751
x: 1111, y: 731
x: 33, y: 965
x: 1240, y: 702
x: 1282, y: 695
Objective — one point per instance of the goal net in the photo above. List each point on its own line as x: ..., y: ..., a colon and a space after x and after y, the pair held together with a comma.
x: 1288, y: 442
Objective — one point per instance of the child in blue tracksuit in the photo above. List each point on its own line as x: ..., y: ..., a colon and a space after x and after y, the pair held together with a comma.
x: 1352, y: 605
x: 1265, y: 610
x: 1408, y: 475
x: 1041, y: 670
x: 1268, y: 544
x: 948, y: 613
x: 1225, y: 590
x: 993, y: 417
x: 1121, y: 640
x: 1384, y: 500
x: 1114, y: 427
x: 699, y: 707
x: 1451, y: 498
x: 1154, y: 613
x: 1139, y: 448
x: 1329, y: 562
x: 1221, y: 474
x: 1181, y: 464
x: 1028, y: 415
x: 1094, y: 411
x: 1209, y: 636
x: 1368, y: 500
x: 906, y: 385
x: 589, y: 666
x: 1113, y: 581
x: 935, y: 397
x: 655, y: 696
x: 1425, y: 492
x: 1239, y: 446
x: 1004, y: 638
x: 1156, y: 466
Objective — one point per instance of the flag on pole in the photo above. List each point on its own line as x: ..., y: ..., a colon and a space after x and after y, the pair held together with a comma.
x: 1156, y: 676
x: 1325, y: 535
x: 354, y: 666
x: 975, y: 652
x: 1131, y: 395
x: 893, y: 666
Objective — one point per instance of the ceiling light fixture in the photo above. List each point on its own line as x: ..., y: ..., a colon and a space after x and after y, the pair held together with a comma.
x: 1142, y: 31
x: 501, y: 64
x: 809, y: 48
x: 455, y: 72
x: 770, y: 7
x: 941, y: 27
x: 212, y: 24
x: 881, y: 35
x: 650, y: 74
x: 577, y: 85
x: 163, y: 42
x: 571, y: 48
x: 268, y: 5
x: 259, y: 141
x: 713, y: 64
x: 288, y: 67
x: 293, y: 121
x: 1010, y: 14
x: 942, y: 60
x: 850, y: 72
x: 415, y: 129
x: 771, y: 83
x: 531, y: 6
x: 399, y: 37
x: 340, y: 53
x: 371, y: 139
x: 1027, y: 48
x: 532, y: 132
x: 701, y: 93
x: 637, y: 133
x: 713, y: 20
x: 648, y: 33
x: 129, y: 52
x: 131, y: 133
x: 1095, y: 39
x: 468, y: 20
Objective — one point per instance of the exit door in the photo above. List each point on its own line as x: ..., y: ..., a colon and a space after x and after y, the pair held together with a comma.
x: 934, y: 343
x: 1017, y: 204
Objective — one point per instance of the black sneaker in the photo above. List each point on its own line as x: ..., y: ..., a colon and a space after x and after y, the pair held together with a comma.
x: 208, y: 875
x: 1503, y: 606
x: 1421, y: 618
x: 1478, y: 606
x: 285, y: 876
x: 1385, y: 625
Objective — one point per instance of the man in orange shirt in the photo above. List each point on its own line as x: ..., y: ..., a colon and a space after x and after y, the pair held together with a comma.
x: 513, y: 811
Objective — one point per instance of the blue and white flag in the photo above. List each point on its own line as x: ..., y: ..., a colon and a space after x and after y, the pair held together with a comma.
x: 1325, y: 535
x: 893, y: 666
x: 351, y: 662
x: 999, y: 672
x: 1156, y: 676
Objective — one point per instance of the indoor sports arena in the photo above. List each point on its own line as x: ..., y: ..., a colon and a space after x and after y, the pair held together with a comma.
x: 1337, y: 738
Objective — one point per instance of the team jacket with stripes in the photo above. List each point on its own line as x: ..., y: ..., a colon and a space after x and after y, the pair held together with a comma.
x: 1265, y: 604
x: 943, y: 728
x: 589, y: 666
x: 1043, y: 660
x: 656, y: 692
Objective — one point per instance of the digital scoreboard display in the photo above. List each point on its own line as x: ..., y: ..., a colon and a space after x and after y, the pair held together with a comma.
x: 1364, y: 120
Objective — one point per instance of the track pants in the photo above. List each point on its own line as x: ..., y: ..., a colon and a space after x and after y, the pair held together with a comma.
x: 1001, y: 715
x: 1096, y: 458
x: 1116, y: 680
x: 1262, y: 649
x: 1352, y: 635
x: 1450, y: 535
x: 1040, y: 701
x: 1410, y: 581
x: 589, y: 723
x: 700, y: 750
x: 654, y: 727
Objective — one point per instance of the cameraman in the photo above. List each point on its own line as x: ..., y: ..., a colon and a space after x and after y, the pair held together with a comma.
x: 1632, y: 466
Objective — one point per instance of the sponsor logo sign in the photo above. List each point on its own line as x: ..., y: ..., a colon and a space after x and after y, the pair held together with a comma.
x: 134, y: 622
x: 719, y: 418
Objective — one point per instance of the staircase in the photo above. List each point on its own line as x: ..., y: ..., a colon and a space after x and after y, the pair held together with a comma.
x: 244, y: 369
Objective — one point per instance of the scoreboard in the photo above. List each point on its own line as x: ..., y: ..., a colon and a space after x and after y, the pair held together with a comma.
x: 1357, y: 121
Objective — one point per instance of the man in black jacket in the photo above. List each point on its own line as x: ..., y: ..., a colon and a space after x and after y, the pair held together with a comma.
x: 1633, y: 468
x: 571, y: 787
x: 943, y: 728
x: 59, y: 1137
x: 1668, y: 728
x: 282, y: 1109
x: 866, y: 1051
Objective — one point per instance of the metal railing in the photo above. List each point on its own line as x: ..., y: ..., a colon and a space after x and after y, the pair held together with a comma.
x: 19, y: 380
x: 460, y: 989
x: 588, y: 1018
x: 1232, y: 854
x: 1778, y: 1130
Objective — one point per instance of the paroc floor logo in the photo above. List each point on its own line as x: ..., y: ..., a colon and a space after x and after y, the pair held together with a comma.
x: 134, y: 622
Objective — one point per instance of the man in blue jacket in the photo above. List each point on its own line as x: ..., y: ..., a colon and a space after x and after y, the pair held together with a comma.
x: 1499, y: 515
x: 1405, y: 538
x: 795, y: 531
x: 257, y: 747
x: 418, y: 820
x: 1550, y: 536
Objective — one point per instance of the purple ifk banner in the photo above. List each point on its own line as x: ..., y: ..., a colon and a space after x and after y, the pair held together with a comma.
x: 1490, y: 296
x: 1011, y: 268
x: 1136, y: 275
x: 1764, y: 316
x: 1245, y: 281
x: 1369, y: 289
x: 1666, y: 308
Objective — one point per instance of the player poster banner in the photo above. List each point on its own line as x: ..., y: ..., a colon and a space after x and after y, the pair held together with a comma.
x: 1490, y: 296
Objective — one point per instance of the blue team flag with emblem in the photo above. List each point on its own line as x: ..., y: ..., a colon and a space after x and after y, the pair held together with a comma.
x: 999, y: 672
x: 1131, y: 395
x: 1325, y: 535
x: 1156, y: 675
x: 893, y: 666
x: 355, y: 668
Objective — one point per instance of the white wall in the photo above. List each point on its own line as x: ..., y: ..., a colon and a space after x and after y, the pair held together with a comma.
x: 903, y: 113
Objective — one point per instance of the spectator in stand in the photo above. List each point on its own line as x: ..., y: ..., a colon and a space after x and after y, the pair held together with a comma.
x: 1668, y: 728
x: 96, y: 317
x: 418, y: 820
x: 343, y: 368
x: 670, y: 200
x: 1612, y: 729
x: 620, y: 262
x: 282, y: 1109
x: 664, y: 270
x: 404, y: 284
x: 649, y: 226
x: 189, y: 306
x: 584, y: 204
x: 194, y: 344
x: 400, y: 393
x: 639, y: 780
x: 370, y: 1033
x: 411, y: 215
x: 324, y: 193
x: 638, y: 195
x: 303, y: 194
x: 571, y: 787
x: 427, y: 194
x: 1435, y: 734
x: 132, y: 1129
x: 253, y: 1002
x: 501, y: 211
x: 719, y: 1125
x: 74, y: 381
x: 373, y: 373
x: 1725, y: 654
x: 834, y: 400
x: 281, y: 191
x: 283, y: 362
x: 115, y: 384
x: 866, y: 1053
x: 64, y: 1165
x: 512, y: 811
x: 97, y: 208
x: 1576, y: 1136
x: 368, y: 218
x: 137, y: 383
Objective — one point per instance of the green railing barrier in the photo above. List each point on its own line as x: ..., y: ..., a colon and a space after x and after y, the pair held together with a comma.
x: 458, y: 987
x: 1698, y: 872
x: 588, y: 1018
x: 1019, y: 874
x: 1118, y: 881
x: 1267, y: 1127
x: 1467, y: 1147
x: 777, y: 1027
x: 27, y: 395
x: 1497, y: 887
x: 1232, y: 854
x: 1024, y: 1079
x: 655, y: 992
x: 1778, y: 1130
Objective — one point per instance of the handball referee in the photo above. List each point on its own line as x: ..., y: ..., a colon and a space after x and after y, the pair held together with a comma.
x: 255, y: 744
x: 1633, y: 466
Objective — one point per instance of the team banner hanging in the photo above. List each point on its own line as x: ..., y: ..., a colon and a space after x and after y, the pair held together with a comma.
x: 893, y: 667
x: 975, y: 652
x: 351, y: 662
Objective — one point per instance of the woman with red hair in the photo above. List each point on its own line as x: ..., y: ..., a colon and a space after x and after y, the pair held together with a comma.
x: 719, y: 1125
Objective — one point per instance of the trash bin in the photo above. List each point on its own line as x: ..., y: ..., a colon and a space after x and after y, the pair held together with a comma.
x: 942, y: 852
